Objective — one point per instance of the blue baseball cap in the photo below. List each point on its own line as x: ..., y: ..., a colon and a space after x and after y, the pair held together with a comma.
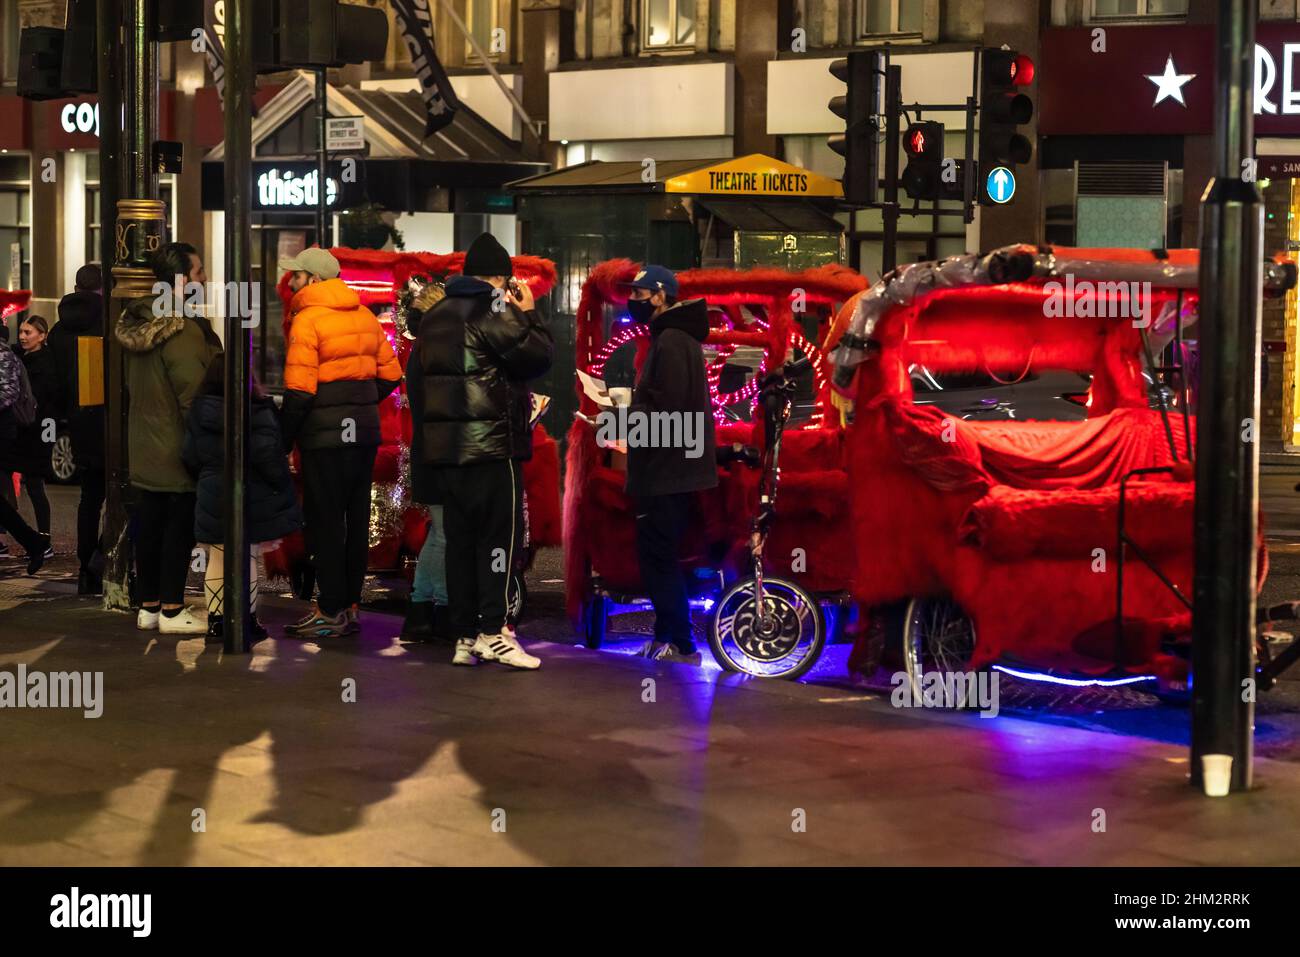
x: 655, y: 279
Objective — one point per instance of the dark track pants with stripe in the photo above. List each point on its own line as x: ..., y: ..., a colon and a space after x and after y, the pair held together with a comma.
x: 482, y: 511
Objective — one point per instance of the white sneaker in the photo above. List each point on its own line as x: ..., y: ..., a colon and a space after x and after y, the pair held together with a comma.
x: 464, y: 652
x: 184, y: 623
x: 669, y: 652
x: 146, y: 620
x: 506, y: 649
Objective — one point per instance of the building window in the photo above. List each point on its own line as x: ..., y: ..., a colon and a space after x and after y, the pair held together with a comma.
x: 15, y: 229
x: 1131, y: 9
x: 9, y: 36
x: 92, y: 224
x: 667, y: 24
x: 481, y: 19
x: 890, y: 17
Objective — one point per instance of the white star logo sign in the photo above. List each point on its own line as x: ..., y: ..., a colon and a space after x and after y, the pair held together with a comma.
x: 1169, y: 85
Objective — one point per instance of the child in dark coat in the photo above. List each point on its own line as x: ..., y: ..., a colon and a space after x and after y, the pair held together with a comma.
x: 273, y: 510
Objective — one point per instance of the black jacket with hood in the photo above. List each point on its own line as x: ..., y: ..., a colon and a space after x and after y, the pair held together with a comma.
x: 673, y: 380
x: 273, y: 510
x: 471, y: 404
x: 81, y: 314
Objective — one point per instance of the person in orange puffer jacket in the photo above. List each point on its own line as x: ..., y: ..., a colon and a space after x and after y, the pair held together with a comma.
x: 339, y: 367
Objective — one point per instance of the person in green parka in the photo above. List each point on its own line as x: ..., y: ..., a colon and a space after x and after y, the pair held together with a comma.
x: 168, y: 347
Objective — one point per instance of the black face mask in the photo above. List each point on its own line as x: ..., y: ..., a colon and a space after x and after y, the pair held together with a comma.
x: 641, y: 310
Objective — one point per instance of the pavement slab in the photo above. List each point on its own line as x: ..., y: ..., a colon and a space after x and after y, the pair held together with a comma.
x: 238, y: 760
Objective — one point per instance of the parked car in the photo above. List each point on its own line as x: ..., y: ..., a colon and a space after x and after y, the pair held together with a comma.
x: 63, y: 467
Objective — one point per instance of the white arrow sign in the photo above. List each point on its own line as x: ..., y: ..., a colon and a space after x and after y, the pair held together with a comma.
x: 1001, y: 184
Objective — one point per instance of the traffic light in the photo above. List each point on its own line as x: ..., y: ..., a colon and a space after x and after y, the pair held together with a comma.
x: 310, y: 34
x: 858, y: 107
x: 1003, y: 106
x: 80, y: 73
x: 923, y: 144
x: 54, y: 63
x: 40, y: 62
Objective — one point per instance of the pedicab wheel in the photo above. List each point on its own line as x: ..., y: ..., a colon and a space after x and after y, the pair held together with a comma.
x: 937, y: 637
x: 518, y: 599
x: 783, y: 644
x: 594, y: 621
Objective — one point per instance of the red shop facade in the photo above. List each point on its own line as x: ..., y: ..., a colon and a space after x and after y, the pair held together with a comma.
x: 1126, y: 120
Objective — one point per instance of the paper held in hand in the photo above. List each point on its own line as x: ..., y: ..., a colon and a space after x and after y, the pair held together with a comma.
x: 596, y: 390
x: 540, y: 403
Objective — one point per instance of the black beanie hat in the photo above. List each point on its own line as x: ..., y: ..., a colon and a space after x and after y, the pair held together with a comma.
x: 487, y: 257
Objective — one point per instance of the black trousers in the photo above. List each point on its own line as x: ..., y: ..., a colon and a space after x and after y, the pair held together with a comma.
x: 660, y: 525
x: 163, y: 545
x: 89, y: 510
x: 336, y: 518
x: 35, y: 485
x: 482, y: 512
x: 24, y: 534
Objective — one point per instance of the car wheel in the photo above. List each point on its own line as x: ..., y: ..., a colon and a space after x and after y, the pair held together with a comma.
x: 63, y: 467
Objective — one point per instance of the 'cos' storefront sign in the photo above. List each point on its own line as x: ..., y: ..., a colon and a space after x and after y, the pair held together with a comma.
x: 80, y: 118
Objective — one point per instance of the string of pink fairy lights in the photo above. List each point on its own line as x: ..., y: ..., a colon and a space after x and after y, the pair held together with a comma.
x: 748, y: 391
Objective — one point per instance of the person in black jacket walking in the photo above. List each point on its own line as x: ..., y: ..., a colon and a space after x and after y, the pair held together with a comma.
x: 81, y: 315
x: 273, y: 510
x: 13, y: 394
x: 29, y: 454
x: 662, y: 479
x: 475, y: 353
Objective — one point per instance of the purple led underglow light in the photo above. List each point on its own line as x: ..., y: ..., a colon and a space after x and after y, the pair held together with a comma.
x: 1073, y: 682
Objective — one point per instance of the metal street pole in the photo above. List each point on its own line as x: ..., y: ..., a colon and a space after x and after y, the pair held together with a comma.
x: 322, y: 222
x: 137, y: 233
x: 237, y: 626
x: 108, y: 14
x: 1227, y: 462
x: 893, y: 106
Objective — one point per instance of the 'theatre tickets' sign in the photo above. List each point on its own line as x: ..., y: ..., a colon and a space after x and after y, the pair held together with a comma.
x: 754, y: 175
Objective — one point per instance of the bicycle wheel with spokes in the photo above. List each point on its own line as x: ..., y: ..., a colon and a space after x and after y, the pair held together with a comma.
x: 784, y: 643
x: 937, y: 637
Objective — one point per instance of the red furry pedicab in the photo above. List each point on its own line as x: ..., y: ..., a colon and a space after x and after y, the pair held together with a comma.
x: 398, y: 526
x: 1056, y: 550
x: 780, y: 315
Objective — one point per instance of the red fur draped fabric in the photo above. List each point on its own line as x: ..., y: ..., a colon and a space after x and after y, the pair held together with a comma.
x: 951, y: 453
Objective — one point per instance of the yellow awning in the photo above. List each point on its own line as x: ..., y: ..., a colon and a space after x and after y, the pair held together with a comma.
x: 754, y: 175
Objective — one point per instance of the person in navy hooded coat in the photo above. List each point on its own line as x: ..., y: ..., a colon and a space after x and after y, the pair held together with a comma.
x: 273, y: 510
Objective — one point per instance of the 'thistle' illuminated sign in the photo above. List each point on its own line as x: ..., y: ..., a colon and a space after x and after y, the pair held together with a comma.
x: 286, y: 189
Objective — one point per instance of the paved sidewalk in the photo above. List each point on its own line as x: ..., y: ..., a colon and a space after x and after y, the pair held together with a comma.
x: 571, y: 765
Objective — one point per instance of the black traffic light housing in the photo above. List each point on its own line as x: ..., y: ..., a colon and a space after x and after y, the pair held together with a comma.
x: 1003, y: 108
x: 923, y: 144
x: 858, y: 107
x: 310, y: 34
x: 55, y: 63
x: 40, y: 63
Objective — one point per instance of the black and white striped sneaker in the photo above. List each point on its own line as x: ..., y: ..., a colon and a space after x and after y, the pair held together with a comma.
x: 505, y: 648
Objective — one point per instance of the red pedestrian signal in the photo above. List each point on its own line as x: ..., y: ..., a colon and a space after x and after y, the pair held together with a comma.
x: 923, y: 144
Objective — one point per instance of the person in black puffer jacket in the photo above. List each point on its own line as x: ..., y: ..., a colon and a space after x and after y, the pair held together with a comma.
x: 476, y: 351
x: 81, y: 315
x: 273, y: 510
